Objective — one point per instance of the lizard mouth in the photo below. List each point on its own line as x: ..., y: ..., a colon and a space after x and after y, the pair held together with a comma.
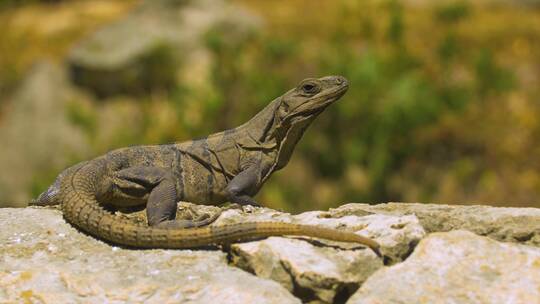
x: 341, y: 87
x: 318, y: 103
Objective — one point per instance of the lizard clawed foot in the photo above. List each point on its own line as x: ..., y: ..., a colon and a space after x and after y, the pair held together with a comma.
x: 232, y: 206
x: 249, y: 208
x: 243, y: 208
x: 203, y: 220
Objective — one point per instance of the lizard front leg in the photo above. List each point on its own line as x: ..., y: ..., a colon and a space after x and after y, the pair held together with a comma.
x: 244, y: 185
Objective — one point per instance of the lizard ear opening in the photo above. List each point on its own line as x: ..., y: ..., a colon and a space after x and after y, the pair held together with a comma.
x: 283, y: 111
x: 285, y: 107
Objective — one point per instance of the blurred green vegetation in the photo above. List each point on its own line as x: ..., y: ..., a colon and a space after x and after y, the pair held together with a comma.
x: 442, y: 106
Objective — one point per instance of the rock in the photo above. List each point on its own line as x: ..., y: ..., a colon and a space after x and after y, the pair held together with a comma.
x: 397, y: 235
x: 36, y: 134
x: 312, y: 273
x: 519, y: 225
x: 45, y: 260
x: 323, y: 271
x: 146, y: 49
x: 458, y: 267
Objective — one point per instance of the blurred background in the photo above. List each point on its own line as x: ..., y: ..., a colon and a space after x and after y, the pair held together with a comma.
x: 444, y: 103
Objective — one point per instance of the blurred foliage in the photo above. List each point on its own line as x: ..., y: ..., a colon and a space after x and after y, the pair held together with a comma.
x: 443, y: 104
x: 403, y: 81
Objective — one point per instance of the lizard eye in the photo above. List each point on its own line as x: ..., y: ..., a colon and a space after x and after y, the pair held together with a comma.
x: 310, y: 88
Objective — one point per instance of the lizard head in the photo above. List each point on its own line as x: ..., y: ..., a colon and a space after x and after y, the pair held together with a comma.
x: 297, y: 108
x: 309, y: 99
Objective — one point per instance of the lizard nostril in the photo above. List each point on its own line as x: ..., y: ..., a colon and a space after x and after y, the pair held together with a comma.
x: 340, y: 80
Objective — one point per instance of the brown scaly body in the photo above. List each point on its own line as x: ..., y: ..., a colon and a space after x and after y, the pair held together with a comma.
x: 226, y: 166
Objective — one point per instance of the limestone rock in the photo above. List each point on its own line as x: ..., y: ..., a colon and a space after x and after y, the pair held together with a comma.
x: 45, y: 260
x: 458, y: 267
x: 310, y: 272
x: 323, y: 271
x: 520, y: 225
x: 397, y: 235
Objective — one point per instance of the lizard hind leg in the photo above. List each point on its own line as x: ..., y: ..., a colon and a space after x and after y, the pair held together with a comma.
x: 161, y: 204
x: 159, y: 182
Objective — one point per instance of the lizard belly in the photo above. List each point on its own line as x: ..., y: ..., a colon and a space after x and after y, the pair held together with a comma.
x: 201, y: 185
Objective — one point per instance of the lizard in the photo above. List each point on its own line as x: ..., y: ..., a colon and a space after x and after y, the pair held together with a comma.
x: 229, y: 166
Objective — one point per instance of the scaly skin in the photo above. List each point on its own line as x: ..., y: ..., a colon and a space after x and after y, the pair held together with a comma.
x: 227, y: 166
x: 82, y: 210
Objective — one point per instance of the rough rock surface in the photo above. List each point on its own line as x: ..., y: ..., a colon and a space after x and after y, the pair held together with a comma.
x: 397, y: 235
x: 519, y: 225
x: 458, y: 267
x: 44, y: 260
x: 310, y: 272
x: 319, y: 270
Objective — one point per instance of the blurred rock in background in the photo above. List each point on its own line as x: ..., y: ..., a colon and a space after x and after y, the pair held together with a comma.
x: 37, y: 137
x: 149, y: 48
